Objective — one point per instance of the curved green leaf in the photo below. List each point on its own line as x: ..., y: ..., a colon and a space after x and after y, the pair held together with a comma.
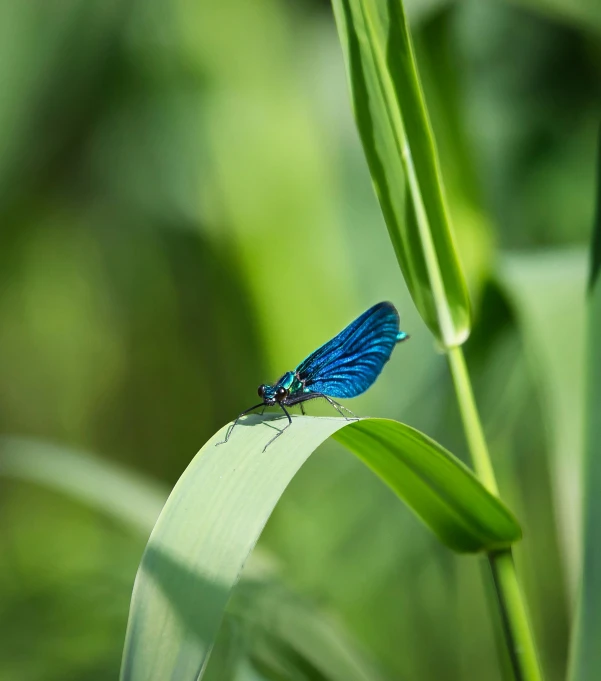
x: 266, y: 619
x: 399, y: 145
x: 108, y: 487
x: 220, y: 505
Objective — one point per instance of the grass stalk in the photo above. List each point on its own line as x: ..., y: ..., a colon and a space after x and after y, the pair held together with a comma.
x: 516, y: 627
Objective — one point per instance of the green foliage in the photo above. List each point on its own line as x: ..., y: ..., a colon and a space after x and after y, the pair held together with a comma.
x: 220, y: 505
x: 111, y: 489
x: 586, y: 656
x: 394, y: 125
x: 187, y: 212
x: 399, y: 146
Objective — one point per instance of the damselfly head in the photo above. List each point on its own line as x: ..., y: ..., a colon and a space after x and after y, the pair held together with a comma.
x: 272, y: 394
x: 263, y: 391
x: 281, y: 394
x: 267, y: 393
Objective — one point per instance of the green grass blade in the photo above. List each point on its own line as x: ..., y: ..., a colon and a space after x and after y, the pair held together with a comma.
x: 128, y: 497
x: 432, y: 483
x: 261, y: 605
x: 546, y: 291
x: 586, y: 651
x: 399, y: 145
x: 584, y: 14
x: 281, y: 626
x: 221, y: 503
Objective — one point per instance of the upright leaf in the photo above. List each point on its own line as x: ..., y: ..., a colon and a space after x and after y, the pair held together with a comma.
x: 586, y: 651
x: 399, y: 145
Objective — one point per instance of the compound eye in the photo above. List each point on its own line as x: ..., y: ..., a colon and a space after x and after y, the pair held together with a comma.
x: 261, y: 391
x: 280, y: 394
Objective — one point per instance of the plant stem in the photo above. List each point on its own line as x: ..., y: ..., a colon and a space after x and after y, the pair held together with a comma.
x: 515, y: 618
x: 520, y: 641
x: 471, y: 420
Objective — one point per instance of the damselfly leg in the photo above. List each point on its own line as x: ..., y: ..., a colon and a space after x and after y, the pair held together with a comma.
x: 235, y: 423
x: 339, y: 407
x: 275, y: 437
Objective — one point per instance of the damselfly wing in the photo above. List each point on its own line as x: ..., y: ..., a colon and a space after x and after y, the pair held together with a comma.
x: 344, y: 367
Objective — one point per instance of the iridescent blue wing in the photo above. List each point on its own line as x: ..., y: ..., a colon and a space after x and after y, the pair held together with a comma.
x: 347, y: 365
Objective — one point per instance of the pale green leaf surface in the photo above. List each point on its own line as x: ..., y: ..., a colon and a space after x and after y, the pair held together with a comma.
x: 136, y: 501
x: 221, y: 503
x: 547, y: 292
x: 399, y: 145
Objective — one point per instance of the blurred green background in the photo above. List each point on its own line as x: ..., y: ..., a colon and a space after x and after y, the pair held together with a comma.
x: 185, y: 213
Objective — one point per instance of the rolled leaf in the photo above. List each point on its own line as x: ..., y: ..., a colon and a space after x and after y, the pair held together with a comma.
x: 397, y: 138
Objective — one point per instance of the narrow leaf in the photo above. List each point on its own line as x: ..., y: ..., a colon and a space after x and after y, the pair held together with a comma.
x: 585, y: 14
x: 278, y: 621
x: 125, y: 495
x: 586, y: 651
x: 399, y: 145
x: 217, y: 510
